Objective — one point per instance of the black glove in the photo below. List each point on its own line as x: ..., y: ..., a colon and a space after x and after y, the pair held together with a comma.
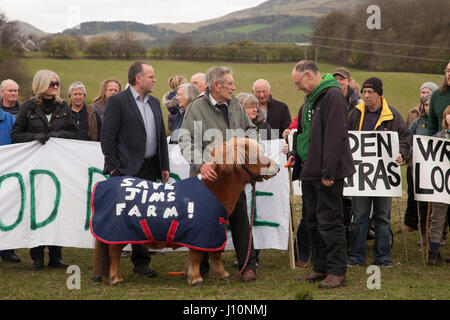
x: 41, y: 137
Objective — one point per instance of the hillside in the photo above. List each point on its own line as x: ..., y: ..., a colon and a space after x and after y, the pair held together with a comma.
x: 25, y: 29
x: 311, y: 8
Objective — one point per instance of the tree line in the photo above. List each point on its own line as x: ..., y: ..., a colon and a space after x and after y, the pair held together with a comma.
x: 413, y: 37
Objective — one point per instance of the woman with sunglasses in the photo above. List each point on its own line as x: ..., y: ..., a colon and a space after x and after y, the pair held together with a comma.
x: 45, y: 115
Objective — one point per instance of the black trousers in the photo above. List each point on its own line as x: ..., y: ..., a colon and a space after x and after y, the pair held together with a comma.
x: 54, y: 253
x: 140, y: 256
x: 326, y: 227
x: 240, y: 232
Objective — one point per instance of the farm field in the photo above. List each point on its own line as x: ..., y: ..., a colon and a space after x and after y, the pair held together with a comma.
x: 408, y: 280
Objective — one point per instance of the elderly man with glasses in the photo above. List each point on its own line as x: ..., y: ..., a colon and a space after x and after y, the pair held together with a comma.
x: 374, y: 114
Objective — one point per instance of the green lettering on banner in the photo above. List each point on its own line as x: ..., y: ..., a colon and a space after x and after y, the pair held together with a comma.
x: 257, y: 222
x: 34, y: 224
x: 23, y: 197
x: 91, y: 171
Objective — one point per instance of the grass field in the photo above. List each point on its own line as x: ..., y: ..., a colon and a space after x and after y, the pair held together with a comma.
x: 275, y: 279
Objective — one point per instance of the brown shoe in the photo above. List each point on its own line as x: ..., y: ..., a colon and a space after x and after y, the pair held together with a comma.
x: 311, y: 276
x: 248, y: 275
x: 332, y: 281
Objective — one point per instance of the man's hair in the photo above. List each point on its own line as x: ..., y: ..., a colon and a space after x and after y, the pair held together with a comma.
x: 135, y: 70
x: 217, y: 74
x: 306, y: 65
x: 444, y: 87
x: 259, y: 80
x: 102, y: 95
x: 76, y: 85
x: 5, y: 82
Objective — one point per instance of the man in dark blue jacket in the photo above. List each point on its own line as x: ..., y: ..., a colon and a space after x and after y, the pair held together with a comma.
x: 134, y: 142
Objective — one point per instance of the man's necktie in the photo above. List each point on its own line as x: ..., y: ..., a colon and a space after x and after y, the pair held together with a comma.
x: 224, y: 109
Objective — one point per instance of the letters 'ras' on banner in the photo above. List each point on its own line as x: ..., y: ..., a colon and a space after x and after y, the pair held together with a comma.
x: 431, y: 169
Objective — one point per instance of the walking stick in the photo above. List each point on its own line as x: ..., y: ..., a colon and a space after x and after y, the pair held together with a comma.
x: 291, y: 224
x: 403, y: 232
x: 420, y: 233
x: 427, y: 232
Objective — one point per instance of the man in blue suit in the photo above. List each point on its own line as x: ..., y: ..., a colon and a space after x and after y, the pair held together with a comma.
x: 134, y: 142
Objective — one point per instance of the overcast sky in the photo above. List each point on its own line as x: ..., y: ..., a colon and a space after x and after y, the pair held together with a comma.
x: 55, y: 16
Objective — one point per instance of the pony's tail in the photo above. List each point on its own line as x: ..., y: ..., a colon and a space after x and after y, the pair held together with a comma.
x: 101, y: 261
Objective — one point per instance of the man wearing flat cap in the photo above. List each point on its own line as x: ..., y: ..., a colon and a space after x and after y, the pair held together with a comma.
x: 374, y: 114
x: 351, y: 95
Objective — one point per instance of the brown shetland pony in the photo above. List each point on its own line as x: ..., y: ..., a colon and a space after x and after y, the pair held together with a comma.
x: 237, y: 162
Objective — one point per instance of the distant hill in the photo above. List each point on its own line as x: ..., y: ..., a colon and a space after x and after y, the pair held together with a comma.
x: 272, y: 21
x: 26, y: 30
x: 311, y: 8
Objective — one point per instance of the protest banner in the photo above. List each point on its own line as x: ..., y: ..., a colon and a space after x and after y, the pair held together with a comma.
x: 45, y: 194
x: 374, y: 156
x: 431, y: 169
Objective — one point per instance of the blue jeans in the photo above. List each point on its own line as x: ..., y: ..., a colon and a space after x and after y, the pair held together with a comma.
x: 362, y: 206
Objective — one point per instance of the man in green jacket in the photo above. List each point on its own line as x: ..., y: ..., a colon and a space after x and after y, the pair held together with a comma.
x: 438, y: 102
x: 212, y: 118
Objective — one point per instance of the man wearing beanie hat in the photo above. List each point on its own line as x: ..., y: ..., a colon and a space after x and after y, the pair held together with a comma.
x: 374, y: 114
x: 411, y: 219
x: 322, y: 159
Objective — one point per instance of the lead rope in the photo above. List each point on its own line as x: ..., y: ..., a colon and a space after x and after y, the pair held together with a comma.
x: 251, y: 230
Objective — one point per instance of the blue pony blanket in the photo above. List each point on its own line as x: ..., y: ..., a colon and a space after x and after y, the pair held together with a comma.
x: 132, y: 210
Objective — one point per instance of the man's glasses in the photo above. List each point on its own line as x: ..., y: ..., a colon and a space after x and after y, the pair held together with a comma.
x: 53, y: 84
x: 298, y: 83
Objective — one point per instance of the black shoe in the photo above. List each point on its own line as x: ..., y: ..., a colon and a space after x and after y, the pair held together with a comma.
x: 37, y: 265
x: 145, y: 272
x: 57, y: 264
x: 434, y: 258
x: 13, y: 258
x: 386, y: 264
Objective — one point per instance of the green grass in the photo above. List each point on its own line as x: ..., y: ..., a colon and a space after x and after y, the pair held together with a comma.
x: 275, y: 278
x: 247, y: 28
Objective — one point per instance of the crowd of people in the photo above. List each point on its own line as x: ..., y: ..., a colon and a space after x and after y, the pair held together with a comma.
x: 130, y: 127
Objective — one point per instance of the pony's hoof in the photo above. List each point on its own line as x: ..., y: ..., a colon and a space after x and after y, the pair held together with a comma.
x: 198, y: 284
x: 117, y: 283
x: 96, y: 279
x: 226, y: 279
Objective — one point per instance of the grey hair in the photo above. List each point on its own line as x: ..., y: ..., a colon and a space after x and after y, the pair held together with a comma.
x: 190, y: 91
x: 76, y: 85
x: 5, y: 82
x: 217, y: 74
x: 246, y: 98
x: 201, y: 74
x: 306, y: 65
x: 266, y: 82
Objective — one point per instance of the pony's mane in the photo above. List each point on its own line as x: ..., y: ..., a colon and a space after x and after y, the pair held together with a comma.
x: 235, y: 153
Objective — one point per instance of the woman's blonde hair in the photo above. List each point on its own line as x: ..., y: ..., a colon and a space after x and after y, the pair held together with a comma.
x: 444, y: 121
x: 41, y: 83
x: 176, y: 81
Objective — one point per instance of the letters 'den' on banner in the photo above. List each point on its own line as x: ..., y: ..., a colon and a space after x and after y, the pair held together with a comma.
x: 377, y: 174
x: 431, y: 169
x: 45, y: 193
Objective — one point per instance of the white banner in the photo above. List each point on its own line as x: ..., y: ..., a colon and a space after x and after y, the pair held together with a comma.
x: 431, y: 169
x: 45, y: 194
x: 376, y: 174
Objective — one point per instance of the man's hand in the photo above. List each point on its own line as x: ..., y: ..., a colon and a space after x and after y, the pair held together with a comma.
x: 327, y: 183
x: 165, y: 175
x: 285, y: 134
x: 399, y: 160
x: 208, y: 172
x: 291, y: 161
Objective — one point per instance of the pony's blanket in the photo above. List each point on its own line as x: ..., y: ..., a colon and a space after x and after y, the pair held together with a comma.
x: 184, y: 213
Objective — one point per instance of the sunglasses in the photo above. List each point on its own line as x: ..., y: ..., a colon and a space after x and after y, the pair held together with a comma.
x: 53, y: 84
